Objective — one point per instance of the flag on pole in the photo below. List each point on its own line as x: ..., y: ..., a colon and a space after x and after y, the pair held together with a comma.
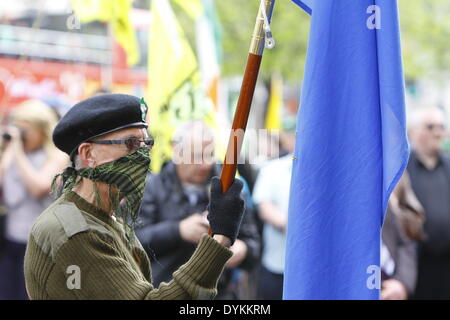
x: 175, y: 91
x: 208, y: 42
x: 117, y: 13
x: 208, y: 36
x: 171, y: 60
x: 350, y: 152
x: 171, y: 65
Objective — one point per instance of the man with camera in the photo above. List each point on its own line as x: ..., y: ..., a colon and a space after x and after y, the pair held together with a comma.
x: 28, y: 162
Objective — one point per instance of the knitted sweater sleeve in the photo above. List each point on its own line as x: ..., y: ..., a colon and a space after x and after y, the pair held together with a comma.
x: 104, y: 273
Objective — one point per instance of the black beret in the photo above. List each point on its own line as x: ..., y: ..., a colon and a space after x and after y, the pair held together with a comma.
x: 97, y: 116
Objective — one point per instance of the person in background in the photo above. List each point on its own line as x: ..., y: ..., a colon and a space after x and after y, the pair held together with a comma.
x: 174, y: 208
x: 429, y: 170
x: 403, y: 226
x: 271, y: 195
x: 27, y: 166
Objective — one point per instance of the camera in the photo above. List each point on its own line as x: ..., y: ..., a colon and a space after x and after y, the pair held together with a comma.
x: 6, y: 137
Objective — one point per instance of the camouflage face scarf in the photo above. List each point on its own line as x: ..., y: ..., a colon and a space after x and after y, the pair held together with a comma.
x: 127, y: 174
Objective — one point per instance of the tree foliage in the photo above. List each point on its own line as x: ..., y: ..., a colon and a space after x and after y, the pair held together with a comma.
x: 290, y: 29
x: 425, y: 31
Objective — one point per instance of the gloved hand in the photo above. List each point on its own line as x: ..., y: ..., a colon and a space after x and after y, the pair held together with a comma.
x: 226, y: 210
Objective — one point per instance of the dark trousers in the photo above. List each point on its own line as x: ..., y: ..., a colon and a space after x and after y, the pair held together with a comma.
x: 12, y: 280
x: 433, y: 279
x: 270, y: 285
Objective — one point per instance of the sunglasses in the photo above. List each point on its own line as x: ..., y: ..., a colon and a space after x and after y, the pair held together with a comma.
x: 131, y: 143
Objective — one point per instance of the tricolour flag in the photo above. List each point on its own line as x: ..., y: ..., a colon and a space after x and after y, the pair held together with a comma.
x: 351, y: 149
x: 209, y: 50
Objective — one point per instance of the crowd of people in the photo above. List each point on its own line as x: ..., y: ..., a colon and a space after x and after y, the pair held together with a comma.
x: 173, y: 214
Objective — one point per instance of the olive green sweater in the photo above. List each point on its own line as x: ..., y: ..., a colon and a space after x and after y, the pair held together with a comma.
x: 77, y: 251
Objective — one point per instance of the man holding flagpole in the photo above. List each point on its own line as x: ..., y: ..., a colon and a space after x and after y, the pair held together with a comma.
x: 350, y: 152
x: 83, y: 245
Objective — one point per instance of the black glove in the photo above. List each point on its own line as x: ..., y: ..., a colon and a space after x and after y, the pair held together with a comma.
x: 226, y: 210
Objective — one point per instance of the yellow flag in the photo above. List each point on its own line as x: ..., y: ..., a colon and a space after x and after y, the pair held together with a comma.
x: 193, y: 8
x: 172, y: 65
x: 123, y: 30
x: 273, y: 117
x: 117, y: 12
x: 207, y: 27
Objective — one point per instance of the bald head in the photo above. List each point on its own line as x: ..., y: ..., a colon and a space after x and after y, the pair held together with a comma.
x: 193, y: 152
x: 427, y: 130
x: 193, y: 130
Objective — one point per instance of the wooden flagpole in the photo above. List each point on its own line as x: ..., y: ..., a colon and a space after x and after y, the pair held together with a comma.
x: 246, y: 94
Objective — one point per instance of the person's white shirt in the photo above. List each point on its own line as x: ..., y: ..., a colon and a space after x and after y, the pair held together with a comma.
x: 272, y: 185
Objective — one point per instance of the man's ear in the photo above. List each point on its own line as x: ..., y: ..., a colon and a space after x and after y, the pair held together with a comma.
x: 86, y: 155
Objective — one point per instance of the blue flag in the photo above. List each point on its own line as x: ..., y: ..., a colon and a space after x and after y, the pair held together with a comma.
x: 350, y: 152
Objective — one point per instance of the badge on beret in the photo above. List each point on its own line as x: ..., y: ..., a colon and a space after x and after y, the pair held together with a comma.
x: 144, y: 109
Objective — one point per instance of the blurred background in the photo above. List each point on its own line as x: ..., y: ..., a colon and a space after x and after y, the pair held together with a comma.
x: 187, y: 59
x: 177, y: 52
